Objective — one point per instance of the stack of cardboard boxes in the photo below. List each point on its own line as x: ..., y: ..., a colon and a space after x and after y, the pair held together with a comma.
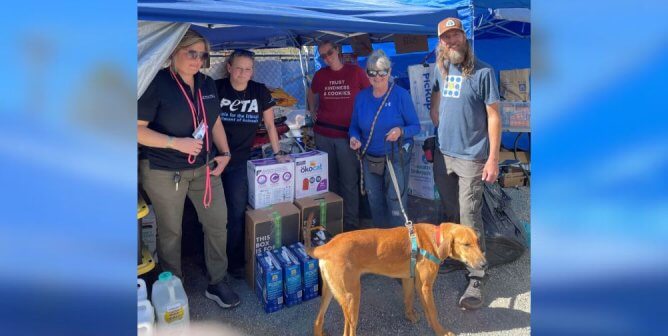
x: 274, y: 221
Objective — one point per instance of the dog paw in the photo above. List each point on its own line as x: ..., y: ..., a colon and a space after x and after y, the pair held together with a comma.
x: 412, y: 316
x: 449, y: 333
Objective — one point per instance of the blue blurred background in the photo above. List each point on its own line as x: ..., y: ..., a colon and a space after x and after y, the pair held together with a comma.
x: 68, y: 147
x: 600, y: 152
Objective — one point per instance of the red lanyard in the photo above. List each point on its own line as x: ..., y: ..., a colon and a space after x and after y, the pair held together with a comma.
x: 191, y: 158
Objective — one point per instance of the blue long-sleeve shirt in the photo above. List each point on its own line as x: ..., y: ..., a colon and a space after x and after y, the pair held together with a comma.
x: 397, y: 112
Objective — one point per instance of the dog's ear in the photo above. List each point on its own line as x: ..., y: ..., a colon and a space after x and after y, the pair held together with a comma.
x: 444, y: 249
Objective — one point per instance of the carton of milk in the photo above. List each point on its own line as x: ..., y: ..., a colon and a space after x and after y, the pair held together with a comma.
x: 292, y: 278
x: 270, y: 182
x: 311, y: 173
x: 309, y: 269
x: 269, y: 282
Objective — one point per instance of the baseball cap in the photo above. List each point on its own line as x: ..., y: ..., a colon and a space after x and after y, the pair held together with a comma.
x: 448, y: 24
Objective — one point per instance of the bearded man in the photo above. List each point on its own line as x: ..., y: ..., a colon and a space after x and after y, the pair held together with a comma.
x: 464, y: 108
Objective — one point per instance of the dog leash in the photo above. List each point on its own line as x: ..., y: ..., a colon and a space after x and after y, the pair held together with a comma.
x: 409, y: 225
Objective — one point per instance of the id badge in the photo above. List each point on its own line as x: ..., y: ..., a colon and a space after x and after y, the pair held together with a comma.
x: 199, y: 132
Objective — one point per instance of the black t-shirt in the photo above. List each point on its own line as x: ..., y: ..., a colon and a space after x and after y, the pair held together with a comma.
x: 167, y: 111
x: 241, y: 114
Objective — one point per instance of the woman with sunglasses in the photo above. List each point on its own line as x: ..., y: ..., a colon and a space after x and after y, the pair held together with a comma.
x: 330, y: 100
x: 244, y: 105
x: 184, y: 142
x: 383, y: 125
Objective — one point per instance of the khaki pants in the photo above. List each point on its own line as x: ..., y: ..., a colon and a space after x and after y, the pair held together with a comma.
x: 460, y: 186
x: 168, y: 206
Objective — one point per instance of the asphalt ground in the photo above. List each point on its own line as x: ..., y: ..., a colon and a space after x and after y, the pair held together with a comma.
x: 507, y: 295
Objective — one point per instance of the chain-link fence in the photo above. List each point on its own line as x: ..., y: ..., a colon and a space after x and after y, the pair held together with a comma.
x: 279, y: 68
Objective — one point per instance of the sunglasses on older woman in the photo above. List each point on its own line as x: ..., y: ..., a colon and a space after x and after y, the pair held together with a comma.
x: 374, y: 73
x: 203, y: 55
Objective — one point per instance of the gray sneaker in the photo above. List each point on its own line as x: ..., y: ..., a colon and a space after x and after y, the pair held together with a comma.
x: 472, y: 297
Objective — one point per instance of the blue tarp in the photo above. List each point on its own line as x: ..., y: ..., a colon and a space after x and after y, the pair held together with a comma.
x: 279, y: 23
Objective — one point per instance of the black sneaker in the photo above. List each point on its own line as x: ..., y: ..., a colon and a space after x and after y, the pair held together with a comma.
x: 450, y: 265
x: 237, y: 273
x: 472, y: 297
x: 223, y: 295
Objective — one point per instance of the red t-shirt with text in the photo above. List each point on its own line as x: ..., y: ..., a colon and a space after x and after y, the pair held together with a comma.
x: 336, y: 92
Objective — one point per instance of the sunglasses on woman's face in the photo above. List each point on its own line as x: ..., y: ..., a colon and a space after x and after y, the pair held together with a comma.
x: 193, y: 55
x: 374, y: 73
x: 328, y: 53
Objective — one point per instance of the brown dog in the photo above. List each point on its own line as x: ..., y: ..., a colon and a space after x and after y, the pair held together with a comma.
x: 387, y: 252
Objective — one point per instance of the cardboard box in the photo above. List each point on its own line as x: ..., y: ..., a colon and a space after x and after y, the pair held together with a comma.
x: 404, y: 44
x: 267, y: 229
x: 523, y: 157
x: 421, y: 175
x: 512, y: 177
x: 309, y: 269
x: 311, y: 173
x: 327, y: 211
x: 292, y: 276
x: 269, y: 283
x: 515, y: 84
x: 270, y: 182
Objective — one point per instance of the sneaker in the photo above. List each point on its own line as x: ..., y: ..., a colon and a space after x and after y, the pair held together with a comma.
x: 237, y: 273
x: 472, y: 297
x: 223, y: 295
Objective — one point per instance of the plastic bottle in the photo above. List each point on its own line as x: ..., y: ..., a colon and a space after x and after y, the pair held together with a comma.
x: 145, y: 318
x: 141, y: 290
x: 171, y: 304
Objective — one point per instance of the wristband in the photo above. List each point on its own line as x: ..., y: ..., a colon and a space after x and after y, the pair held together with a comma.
x: 170, y: 142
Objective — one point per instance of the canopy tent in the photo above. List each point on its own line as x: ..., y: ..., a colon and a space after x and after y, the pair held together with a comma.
x: 279, y: 23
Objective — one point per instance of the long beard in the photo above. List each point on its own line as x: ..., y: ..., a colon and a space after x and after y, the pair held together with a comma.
x: 456, y: 56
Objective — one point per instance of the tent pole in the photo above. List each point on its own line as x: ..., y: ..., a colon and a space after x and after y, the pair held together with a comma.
x: 472, y: 25
x: 303, y: 66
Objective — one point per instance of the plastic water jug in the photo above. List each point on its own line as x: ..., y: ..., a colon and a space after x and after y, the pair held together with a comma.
x: 142, y: 294
x: 171, y: 304
x: 145, y: 318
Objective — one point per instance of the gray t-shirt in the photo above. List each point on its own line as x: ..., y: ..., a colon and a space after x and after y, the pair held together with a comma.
x: 462, y: 128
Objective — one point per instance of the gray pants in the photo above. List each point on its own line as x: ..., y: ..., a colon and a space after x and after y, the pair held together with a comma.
x: 344, y: 176
x: 460, y: 186
x: 168, y: 206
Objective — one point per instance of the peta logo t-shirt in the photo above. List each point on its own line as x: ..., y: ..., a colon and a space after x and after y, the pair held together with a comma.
x: 241, y: 114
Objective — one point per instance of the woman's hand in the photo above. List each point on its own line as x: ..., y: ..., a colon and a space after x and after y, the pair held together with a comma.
x: 190, y: 146
x: 282, y: 158
x: 221, y: 163
x: 355, y: 144
x: 394, y: 134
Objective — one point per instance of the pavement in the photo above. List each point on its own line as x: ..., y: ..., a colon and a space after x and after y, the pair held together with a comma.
x: 507, y: 309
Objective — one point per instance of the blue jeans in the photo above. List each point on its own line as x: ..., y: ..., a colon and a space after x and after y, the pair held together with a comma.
x: 383, y: 200
x: 235, y: 182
